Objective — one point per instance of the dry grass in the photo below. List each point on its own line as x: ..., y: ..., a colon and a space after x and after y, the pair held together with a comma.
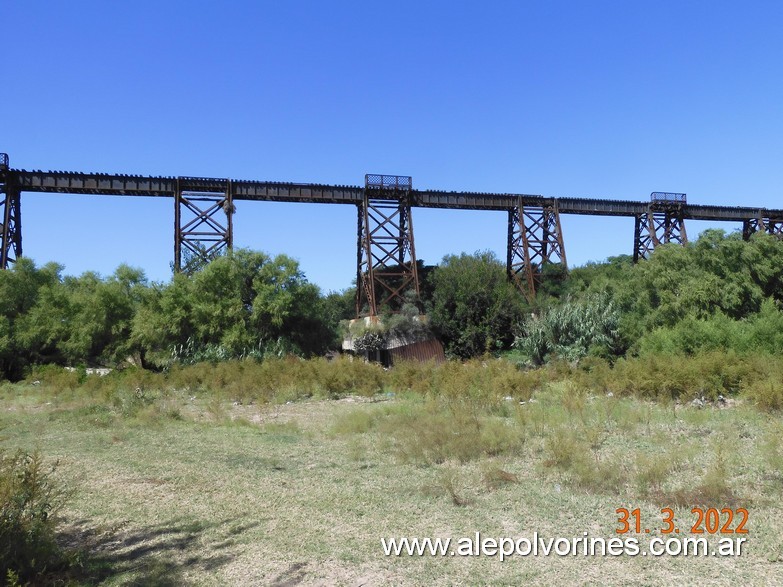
x: 176, y: 489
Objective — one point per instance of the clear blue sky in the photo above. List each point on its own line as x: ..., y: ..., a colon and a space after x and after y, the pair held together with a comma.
x: 594, y: 99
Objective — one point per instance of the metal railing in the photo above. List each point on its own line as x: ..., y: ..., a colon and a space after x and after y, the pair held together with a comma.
x: 388, y: 182
x: 667, y: 198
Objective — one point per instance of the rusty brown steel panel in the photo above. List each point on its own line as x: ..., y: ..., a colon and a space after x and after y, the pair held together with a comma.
x: 422, y: 351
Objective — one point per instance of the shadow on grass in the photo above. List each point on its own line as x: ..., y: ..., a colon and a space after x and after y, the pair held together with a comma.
x: 152, y: 555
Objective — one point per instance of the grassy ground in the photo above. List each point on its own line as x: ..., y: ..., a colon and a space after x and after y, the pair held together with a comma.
x: 172, y: 488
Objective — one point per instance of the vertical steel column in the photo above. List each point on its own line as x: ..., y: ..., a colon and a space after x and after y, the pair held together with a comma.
x: 365, y: 280
x: 199, y: 232
x: 661, y: 224
x: 644, y: 237
x: 10, y: 216
x: 535, y: 239
x: 749, y: 226
x: 670, y: 227
x: 386, y: 255
x: 177, y: 231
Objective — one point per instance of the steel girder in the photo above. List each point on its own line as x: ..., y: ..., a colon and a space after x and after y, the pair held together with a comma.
x: 203, y: 223
x: 658, y: 226
x: 535, y: 239
x: 386, y: 256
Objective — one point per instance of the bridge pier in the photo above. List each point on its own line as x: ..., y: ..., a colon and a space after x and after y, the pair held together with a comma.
x: 10, y: 216
x: 763, y: 223
x: 661, y: 224
x: 386, y: 256
x: 203, y: 222
x: 535, y: 239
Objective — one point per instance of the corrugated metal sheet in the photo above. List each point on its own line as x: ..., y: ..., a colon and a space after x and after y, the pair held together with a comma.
x: 425, y: 350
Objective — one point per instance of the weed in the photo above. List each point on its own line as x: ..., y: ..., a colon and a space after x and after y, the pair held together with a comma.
x: 447, y: 483
x: 216, y: 409
x: 605, y: 476
x: 569, y: 449
x: 652, y: 471
x: 450, y: 430
x: 288, y: 431
x: 355, y: 450
x: 494, y: 477
x: 714, y: 488
x: 595, y: 435
x: 30, y: 499
x: 767, y: 393
x: 563, y: 447
x: 772, y: 451
x: 354, y: 422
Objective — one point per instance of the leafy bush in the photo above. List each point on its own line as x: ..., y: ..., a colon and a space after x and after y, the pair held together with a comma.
x: 761, y: 332
x: 570, y: 330
x: 474, y: 307
x: 30, y: 499
x: 766, y: 393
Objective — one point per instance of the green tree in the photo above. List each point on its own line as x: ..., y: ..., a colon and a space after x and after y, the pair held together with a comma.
x: 83, y: 319
x: 242, y: 303
x: 474, y: 307
x: 19, y: 292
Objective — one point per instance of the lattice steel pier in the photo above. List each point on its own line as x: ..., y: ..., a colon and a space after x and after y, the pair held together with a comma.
x: 663, y: 222
x: 10, y: 215
x: 386, y: 269
x: 535, y: 239
x: 203, y: 221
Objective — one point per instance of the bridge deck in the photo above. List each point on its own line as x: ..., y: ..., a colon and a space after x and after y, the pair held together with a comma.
x: 136, y: 185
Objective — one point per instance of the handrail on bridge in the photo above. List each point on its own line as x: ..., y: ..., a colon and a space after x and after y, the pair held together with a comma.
x: 388, y: 182
x: 667, y: 198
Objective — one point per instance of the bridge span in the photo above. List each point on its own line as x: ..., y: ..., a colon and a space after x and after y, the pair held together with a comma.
x: 386, y: 258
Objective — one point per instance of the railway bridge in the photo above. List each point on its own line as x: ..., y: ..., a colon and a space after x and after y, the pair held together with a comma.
x: 386, y: 257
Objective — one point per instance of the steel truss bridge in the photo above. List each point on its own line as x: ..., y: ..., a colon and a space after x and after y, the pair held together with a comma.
x: 386, y: 257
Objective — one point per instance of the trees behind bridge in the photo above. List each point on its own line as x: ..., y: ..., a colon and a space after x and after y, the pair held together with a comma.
x: 243, y: 304
x: 718, y: 292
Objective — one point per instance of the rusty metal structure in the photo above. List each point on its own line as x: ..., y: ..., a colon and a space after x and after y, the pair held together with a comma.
x: 386, y: 258
x: 421, y: 351
x: 203, y: 221
x: 10, y: 215
x: 770, y: 225
x: 386, y: 255
x: 535, y: 240
x: 663, y: 222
